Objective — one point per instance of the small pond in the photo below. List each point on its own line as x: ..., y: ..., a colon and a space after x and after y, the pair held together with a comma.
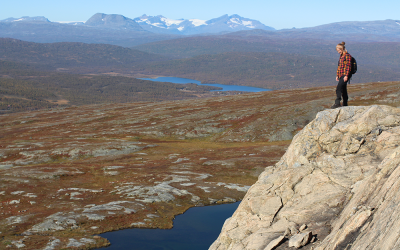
x: 224, y: 87
x: 196, y: 229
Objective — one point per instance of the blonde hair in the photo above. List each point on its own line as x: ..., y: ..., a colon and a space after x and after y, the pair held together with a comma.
x: 341, y: 46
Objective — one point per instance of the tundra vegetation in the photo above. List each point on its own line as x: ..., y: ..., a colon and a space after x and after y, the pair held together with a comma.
x: 70, y: 173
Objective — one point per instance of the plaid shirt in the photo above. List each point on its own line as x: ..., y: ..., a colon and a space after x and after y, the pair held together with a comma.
x: 344, y: 65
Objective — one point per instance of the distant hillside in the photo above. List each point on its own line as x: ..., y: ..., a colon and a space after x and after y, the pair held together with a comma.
x: 22, y: 69
x: 194, y: 46
x: 23, y: 87
x: 272, y: 70
x: 356, y: 31
x: 76, y: 56
x: 384, y: 53
x: 26, y: 19
x: 380, y: 27
x: 371, y: 57
x: 284, y: 64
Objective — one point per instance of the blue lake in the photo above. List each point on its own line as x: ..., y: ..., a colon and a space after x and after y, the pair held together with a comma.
x: 196, y: 229
x: 224, y: 87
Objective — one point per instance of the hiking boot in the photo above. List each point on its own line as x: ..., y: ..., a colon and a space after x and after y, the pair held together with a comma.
x: 334, y: 106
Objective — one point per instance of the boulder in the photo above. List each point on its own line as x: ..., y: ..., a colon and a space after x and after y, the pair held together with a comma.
x: 300, y: 239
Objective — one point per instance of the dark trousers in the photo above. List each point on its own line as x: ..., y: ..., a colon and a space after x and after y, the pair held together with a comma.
x: 341, y: 90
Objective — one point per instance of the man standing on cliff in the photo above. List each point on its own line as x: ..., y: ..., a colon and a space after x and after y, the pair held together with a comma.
x: 343, y: 75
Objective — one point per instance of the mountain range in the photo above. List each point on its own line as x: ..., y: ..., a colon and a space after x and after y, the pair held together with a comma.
x: 158, y: 24
x: 225, y: 23
x: 123, y: 31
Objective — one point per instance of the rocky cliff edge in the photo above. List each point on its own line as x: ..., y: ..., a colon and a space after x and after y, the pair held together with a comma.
x: 336, y: 187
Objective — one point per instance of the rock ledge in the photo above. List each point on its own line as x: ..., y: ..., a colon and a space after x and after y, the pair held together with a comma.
x: 340, y: 176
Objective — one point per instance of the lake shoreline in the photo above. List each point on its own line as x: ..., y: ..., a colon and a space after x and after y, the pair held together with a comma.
x: 224, y: 87
x: 197, y: 227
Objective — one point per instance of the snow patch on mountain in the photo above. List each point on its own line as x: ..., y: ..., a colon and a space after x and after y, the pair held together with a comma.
x: 248, y: 24
x: 69, y: 21
x: 198, y: 22
x: 157, y: 25
x: 141, y: 20
x: 158, y: 21
x: 170, y: 22
x: 235, y: 22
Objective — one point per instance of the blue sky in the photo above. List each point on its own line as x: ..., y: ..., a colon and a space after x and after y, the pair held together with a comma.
x: 279, y: 14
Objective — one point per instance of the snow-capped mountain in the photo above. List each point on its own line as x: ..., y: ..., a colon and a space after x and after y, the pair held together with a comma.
x: 123, y: 31
x: 161, y: 24
x: 236, y: 21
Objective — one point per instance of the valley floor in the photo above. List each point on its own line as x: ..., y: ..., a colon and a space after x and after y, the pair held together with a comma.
x: 70, y: 174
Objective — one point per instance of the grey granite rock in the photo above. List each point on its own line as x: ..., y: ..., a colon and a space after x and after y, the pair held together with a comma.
x: 54, y: 244
x: 56, y: 222
x: 274, y: 243
x: 339, y: 176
